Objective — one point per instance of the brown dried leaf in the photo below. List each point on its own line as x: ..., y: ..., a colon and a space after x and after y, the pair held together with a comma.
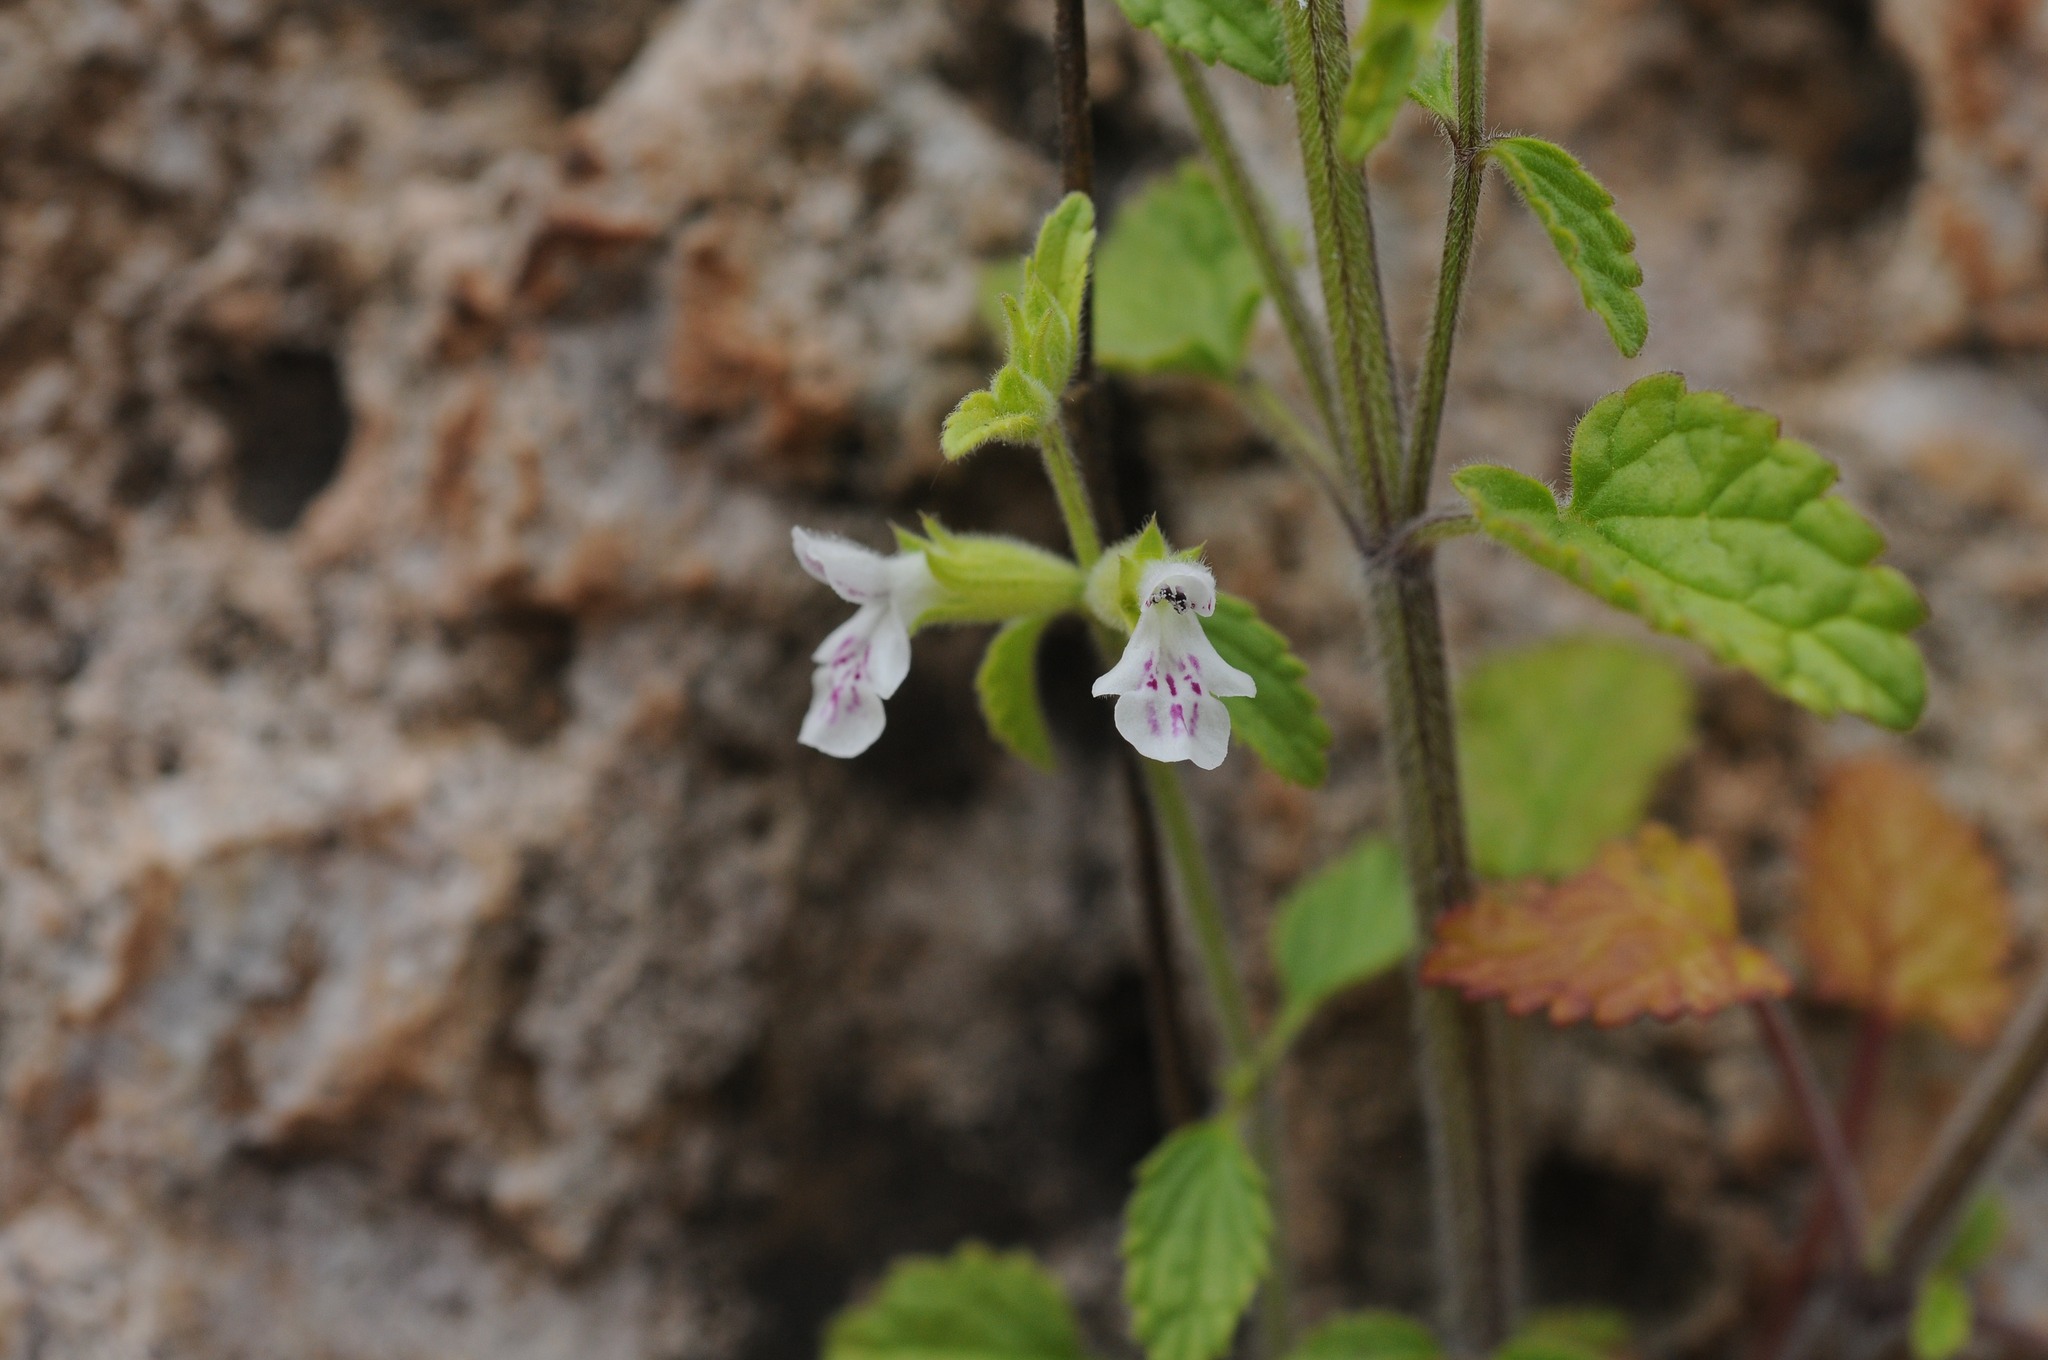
x: 1904, y: 913
x: 1648, y: 929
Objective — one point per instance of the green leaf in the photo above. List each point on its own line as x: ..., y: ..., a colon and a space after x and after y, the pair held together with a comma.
x: 1378, y: 88
x: 1284, y: 721
x: 1002, y: 413
x: 1007, y: 685
x: 1941, y: 1318
x: 1594, y: 244
x: 1692, y: 512
x: 1977, y: 1236
x: 1559, y: 748
x: 1435, y: 85
x: 1369, y: 1335
x: 1066, y: 239
x: 1388, y: 52
x: 1197, y: 1241
x: 1569, y: 1334
x: 972, y: 1305
x: 1176, y: 290
x: 1351, y: 921
x: 1244, y: 34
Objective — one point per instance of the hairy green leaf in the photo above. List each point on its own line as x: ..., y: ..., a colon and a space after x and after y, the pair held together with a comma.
x: 1197, y: 1241
x: 1284, y: 721
x: 1040, y: 323
x: 1059, y: 260
x: 1693, y: 513
x: 1559, y: 748
x: 1942, y: 1318
x: 1369, y: 1335
x: 1977, y: 1236
x: 1349, y: 922
x: 1244, y: 34
x: 1594, y: 244
x: 1435, y: 85
x: 1176, y: 290
x: 1569, y: 1334
x: 1007, y: 685
x: 972, y: 1305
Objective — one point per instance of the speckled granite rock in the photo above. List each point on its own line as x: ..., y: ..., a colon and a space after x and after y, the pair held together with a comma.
x: 419, y: 933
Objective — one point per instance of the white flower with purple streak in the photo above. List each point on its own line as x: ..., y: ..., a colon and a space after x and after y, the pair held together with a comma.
x: 864, y: 660
x: 1170, y: 678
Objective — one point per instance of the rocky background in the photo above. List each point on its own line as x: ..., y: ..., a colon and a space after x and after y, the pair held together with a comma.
x: 420, y: 934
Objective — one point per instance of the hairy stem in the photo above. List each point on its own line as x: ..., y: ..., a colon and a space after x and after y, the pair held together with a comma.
x: 1071, y: 491
x: 1467, y: 1094
x: 1460, y: 228
x: 1996, y: 1099
x: 1844, y: 1192
x: 1255, y: 226
x: 1320, y: 63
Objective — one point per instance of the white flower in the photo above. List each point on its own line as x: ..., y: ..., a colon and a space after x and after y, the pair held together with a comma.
x: 1171, y: 678
x: 864, y: 660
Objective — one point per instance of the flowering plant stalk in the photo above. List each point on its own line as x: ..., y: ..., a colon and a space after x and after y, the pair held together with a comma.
x: 1522, y: 877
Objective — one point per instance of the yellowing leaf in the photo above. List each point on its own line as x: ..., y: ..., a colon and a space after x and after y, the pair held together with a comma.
x: 1904, y: 912
x: 1648, y: 929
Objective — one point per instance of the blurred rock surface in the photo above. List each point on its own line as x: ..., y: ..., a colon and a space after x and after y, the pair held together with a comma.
x: 420, y: 935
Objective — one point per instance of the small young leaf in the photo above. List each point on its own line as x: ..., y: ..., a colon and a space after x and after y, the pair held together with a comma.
x: 1977, y: 1236
x: 1569, y: 1334
x: 1176, y: 290
x: 1351, y: 921
x: 1559, y: 748
x: 1942, y: 1318
x: 1904, y: 913
x: 1649, y: 929
x: 1593, y: 242
x: 1059, y: 260
x: 1197, y: 1241
x: 1379, y: 86
x: 986, y: 418
x: 1435, y: 85
x: 1007, y: 685
x: 1692, y: 512
x: 1284, y: 721
x: 972, y: 1305
x: 1244, y: 34
x: 1369, y: 1335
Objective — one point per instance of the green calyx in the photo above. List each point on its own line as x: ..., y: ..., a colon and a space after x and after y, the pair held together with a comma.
x: 988, y: 578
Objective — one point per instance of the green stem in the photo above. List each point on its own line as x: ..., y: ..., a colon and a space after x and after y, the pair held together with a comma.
x: 1319, y: 58
x: 1460, y: 229
x: 1234, y: 1014
x: 1255, y: 226
x: 1069, y: 488
x: 1466, y: 1063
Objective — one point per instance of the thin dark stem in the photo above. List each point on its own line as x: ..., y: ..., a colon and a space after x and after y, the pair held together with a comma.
x: 1255, y: 226
x: 1838, y: 1172
x: 1866, y: 1078
x: 1077, y: 148
x: 1972, y: 1137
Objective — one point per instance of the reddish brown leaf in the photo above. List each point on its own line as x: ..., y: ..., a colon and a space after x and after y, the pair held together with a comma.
x: 1648, y: 929
x: 1904, y: 911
